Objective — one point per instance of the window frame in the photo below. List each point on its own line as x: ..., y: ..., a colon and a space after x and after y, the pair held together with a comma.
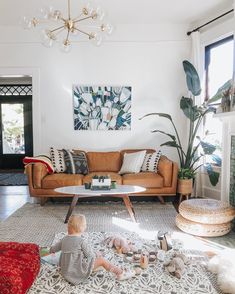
x: 208, y: 60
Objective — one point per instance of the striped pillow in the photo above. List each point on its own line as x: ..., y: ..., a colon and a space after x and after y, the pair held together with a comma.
x: 75, y: 163
x: 151, y: 160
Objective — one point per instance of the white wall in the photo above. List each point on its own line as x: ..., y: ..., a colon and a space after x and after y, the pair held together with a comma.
x: 149, y: 58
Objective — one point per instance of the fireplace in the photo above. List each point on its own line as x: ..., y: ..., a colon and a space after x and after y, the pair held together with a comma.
x: 228, y: 157
x: 232, y: 172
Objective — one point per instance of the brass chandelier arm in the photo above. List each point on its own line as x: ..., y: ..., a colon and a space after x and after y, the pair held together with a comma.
x: 56, y: 29
x: 85, y: 33
x: 81, y: 19
x: 69, y: 11
x: 77, y: 18
x: 67, y: 37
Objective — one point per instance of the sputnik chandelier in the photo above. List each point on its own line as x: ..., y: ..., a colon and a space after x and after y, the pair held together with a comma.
x: 89, y: 22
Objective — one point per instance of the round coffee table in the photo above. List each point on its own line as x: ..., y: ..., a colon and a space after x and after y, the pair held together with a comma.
x: 121, y: 191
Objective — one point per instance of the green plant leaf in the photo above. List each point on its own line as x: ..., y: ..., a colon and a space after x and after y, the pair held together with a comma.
x: 192, y: 78
x: 171, y: 144
x: 219, y: 94
x: 213, y: 176
x: 169, y: 135
x: 191, y: 112
x: 158, y: 114
x: 208, y: 148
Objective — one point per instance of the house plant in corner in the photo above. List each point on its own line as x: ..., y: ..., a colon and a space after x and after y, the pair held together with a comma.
x: 196, y: 147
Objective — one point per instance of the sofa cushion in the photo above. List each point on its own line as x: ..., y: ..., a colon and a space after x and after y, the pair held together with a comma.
x: 57, y: 158
x: 61, y: 180
x: 132, y: 162
x: 114, y: 177
x: 104, y: 161
x: 19, y: 266
x: 144, y: 179
x: 151, y: 160
x: 76, y: 163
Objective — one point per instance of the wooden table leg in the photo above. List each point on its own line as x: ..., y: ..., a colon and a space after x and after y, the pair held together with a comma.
x: 72, y: 205
x: 129, y: 207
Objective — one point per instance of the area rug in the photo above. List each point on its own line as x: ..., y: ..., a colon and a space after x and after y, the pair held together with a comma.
x: 13, y: 179
x: 152, y: 280
x: 34, y: 223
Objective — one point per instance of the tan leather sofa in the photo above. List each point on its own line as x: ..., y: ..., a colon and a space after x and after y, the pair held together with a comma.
x: 163, y: 183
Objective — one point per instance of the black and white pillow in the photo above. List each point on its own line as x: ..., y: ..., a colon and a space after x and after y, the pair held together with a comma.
x: 151, y: 160
x: 57, y: 158
x: 75, y: 163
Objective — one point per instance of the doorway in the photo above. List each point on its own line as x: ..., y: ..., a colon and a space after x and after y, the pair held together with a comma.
x: 16, y: 132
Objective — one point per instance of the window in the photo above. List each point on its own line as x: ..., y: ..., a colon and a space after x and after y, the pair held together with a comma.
x: 219, y: 69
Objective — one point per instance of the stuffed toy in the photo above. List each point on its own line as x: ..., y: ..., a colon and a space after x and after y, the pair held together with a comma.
x: 223, y: 264
x: 122, y: 245
x: 176, y: 265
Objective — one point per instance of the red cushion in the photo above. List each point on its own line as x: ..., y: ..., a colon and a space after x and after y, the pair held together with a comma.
x: 19, y: 266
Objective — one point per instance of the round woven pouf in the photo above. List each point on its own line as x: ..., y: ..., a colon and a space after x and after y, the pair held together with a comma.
x: 202, y: 230
x: 207, y: 211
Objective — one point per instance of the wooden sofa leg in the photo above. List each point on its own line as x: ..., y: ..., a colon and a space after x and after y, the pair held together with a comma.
x: 161, y: 199
x: 43, y: 200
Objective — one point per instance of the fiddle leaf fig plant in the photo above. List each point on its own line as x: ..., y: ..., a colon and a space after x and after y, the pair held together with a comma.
x: 196, y: 148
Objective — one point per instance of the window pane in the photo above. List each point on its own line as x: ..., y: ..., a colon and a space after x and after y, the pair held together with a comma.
x: 221, y: 66
x: 220, y: 70
x: 13, y: 128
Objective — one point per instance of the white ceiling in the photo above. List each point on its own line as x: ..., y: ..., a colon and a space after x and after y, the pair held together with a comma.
x: 124, y: 11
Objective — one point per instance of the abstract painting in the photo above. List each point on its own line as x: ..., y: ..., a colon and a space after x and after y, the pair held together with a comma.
x: 102, y: 107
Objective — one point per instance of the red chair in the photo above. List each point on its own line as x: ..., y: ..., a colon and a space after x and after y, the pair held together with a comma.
x: 19, y: 266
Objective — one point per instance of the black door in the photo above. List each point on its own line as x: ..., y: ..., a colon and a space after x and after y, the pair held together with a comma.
x: 16, y: 136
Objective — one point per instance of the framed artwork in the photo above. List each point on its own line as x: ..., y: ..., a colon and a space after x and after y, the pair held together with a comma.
x: 102, y: 107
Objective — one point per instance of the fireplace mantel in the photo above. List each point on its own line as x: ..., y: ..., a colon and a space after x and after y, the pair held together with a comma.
x: 228, y: 130
x: 225, y: 115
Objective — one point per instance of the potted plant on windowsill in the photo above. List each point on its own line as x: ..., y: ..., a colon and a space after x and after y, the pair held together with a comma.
x: 197, y: 147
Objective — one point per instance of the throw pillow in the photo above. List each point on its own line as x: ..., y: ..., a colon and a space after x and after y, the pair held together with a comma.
x: 151, y: 160
x: 132, y: 162
x: 75, y: 163
x: 57, y: 158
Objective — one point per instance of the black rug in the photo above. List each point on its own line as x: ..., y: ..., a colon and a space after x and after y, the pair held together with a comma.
x: 13, y: 179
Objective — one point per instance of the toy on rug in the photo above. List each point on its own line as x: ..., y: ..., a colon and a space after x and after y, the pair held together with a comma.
x: 122, y: 245
x: 223, y: 264
x: 176, y: 265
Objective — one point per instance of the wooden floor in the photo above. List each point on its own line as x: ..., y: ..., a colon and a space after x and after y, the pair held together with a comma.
x: 11, y: 199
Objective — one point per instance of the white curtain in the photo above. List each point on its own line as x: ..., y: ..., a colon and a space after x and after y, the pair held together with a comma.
x: 197, y: 61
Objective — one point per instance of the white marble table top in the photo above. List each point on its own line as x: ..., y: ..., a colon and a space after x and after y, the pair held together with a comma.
x: 119, y: 190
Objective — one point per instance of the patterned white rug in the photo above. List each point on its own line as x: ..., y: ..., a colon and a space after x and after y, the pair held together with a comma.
x: 152, y: 280
x: 34, y: 223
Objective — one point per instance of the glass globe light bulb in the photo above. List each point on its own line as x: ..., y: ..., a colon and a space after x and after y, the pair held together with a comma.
x: 26, y: 22
x: 96, y: 38
x: 48, y: 38
x: 88, y: 9
x: 109, y: 28
x: 44, y: 13
x: 100, y: 13
x: 66, y: 46
x: 55, y: 15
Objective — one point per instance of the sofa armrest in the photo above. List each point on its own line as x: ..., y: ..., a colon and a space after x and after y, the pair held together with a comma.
x: 36, y: 172
x: 168, y: 170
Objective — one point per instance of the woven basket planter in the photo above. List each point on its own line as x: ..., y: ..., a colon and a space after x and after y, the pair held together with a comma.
x: 185, y: 187
x: 207, y: 211
x: 202, y: 230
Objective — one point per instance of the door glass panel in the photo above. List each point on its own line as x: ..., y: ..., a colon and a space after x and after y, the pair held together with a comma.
x: 13, y: 128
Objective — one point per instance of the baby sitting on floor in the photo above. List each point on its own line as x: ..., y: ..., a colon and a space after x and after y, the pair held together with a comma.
x: 77, y: 259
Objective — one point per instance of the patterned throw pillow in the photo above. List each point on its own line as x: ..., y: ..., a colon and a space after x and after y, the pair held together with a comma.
x: 75, y: 163
x: 151, y: 160
x: 57, y: 158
